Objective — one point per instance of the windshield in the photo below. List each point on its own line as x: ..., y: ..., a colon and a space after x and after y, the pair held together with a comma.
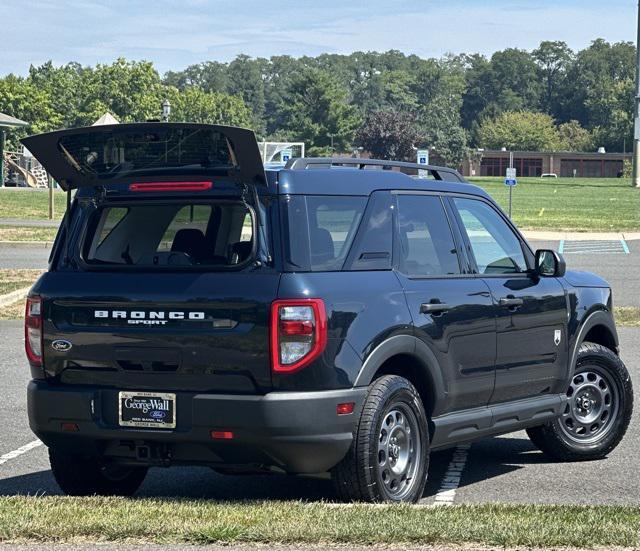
x: 145, y: 152
x: 156, y: 235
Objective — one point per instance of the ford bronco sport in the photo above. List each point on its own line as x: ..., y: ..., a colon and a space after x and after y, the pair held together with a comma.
x: 329, y: 315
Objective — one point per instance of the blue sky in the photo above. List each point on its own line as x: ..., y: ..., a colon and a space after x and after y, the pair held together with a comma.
x: 174, y: 34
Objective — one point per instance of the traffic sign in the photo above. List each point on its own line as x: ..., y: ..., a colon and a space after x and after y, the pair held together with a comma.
x: 285, y: 155
x: 510, y: 179
x: 423, y: 156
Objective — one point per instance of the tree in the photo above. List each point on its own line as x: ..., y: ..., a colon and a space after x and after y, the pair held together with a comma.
x: 389, y: 134
x: 245, y: 81
x: 130, y: 90
x: 195, y: 105
x: 552, y: 59
x: 515, y: 80
x: 519, y: 131
x: 317, y: 111
x: 21, y: 99
x: 600, y: 90
x: 575, y: 138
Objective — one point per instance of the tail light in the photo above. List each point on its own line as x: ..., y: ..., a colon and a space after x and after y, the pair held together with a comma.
x: 298, y: 333
x: 33, y: 330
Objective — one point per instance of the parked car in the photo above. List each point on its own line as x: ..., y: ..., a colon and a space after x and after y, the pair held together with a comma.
x: 198, y: 310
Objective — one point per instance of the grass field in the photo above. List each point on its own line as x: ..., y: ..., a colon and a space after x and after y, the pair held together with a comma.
x: 25, y: 233
x: 578, y: 204
x: 31, y: 204
x: 60, y: 519
x: 11, y: 280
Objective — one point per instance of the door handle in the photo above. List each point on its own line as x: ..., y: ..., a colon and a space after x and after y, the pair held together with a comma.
x: 433, y: 308
x: 511, y: 302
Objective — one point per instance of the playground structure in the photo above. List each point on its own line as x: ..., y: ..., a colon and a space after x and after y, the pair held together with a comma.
x: 27, y: 168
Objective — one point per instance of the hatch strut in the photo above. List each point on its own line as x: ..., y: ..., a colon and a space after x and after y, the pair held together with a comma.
x: 67, y: 225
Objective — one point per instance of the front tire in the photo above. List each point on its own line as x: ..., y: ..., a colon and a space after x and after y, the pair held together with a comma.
x: 389, y: 455
x: 598, y: 411
x: 85, y: 476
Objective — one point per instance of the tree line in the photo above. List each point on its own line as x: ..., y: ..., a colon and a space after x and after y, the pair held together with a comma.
x: 551, y: 98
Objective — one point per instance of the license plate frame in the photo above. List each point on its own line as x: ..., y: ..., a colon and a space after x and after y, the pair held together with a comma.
x: 164, y: 408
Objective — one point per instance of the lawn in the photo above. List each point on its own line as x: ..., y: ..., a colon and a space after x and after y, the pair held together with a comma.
x: 38, y: 519
x: 578, y: 204
x: 30, y: 203
x: 27, y: 233
x: 11, y: 280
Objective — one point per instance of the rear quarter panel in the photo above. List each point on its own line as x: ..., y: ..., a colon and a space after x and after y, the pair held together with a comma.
x: 363, y: 309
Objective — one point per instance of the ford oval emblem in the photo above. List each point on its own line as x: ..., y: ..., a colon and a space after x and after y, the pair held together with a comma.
x: 158, y: 414
x: 61, y: 345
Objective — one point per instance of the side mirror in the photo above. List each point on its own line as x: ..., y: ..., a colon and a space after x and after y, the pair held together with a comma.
x: 550, y: 263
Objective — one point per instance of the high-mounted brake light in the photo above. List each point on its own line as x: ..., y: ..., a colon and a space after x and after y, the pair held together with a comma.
x: 33, y: 330
x: 171, y: 186
x: 298, y: 333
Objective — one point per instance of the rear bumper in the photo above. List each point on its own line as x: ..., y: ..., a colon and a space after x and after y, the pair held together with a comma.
x: 296, y: 432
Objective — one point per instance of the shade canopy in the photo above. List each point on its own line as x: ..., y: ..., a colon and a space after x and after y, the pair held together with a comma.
x: 7, y: 121
x: 107, y: 118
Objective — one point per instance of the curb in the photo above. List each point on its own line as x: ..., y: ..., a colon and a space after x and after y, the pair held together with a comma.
x: 26, y: 244
x: 14, y: 296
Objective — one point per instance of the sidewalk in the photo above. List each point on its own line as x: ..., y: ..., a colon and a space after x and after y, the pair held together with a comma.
x: 21, y: 222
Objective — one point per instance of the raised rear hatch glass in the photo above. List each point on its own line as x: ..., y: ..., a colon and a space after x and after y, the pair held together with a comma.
x: 98, y: 155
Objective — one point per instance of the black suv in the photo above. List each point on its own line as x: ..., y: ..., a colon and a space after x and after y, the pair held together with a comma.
x: 329, y: 315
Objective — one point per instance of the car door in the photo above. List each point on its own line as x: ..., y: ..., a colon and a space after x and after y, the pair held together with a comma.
x: 452, y: 310
x: 531, y: 311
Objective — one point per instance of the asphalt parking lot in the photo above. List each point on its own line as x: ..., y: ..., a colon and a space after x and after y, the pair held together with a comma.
x: 504, y: 469
x: 620, y: 270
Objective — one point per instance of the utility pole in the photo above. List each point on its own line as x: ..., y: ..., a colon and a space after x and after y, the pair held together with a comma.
x: 636, y: 131
x: 511, y: 187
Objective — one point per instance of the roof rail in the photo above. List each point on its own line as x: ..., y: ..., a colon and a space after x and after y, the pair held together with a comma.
x: 438, y: 172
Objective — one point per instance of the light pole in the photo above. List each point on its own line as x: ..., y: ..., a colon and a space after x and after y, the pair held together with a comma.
x: 166, y: 110
x: 636, y: 131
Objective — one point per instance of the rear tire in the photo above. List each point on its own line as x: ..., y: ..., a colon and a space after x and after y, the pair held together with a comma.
x: 389, y: 456
x: 597, y: 413
x: 85, y: 476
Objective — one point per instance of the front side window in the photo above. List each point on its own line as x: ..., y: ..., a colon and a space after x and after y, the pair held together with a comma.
x: 497, y: 250
x: 426, y: 245
x: 216, y: 234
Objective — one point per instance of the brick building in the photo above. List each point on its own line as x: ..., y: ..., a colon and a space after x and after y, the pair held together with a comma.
x: 535, y: 163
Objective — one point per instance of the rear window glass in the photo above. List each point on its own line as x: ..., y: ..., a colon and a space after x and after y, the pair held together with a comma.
x: 170, y: 235
x: 321, y: 229
x: 109, y: 155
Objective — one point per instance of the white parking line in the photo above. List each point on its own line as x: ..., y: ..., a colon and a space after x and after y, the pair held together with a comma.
x: 20, y: 451
x: 451, y: 480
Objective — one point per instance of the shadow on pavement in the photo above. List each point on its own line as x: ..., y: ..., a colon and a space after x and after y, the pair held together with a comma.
x: 488, y: 459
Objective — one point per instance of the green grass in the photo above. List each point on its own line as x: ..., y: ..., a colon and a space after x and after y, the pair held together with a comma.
x: 575, y: 204
x: 578, y: 204
x: 63, y: 519
x: 30, y: 204
x: 27, y: 233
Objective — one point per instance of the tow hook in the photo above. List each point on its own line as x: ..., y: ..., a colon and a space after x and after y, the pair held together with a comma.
x: 159, y: 455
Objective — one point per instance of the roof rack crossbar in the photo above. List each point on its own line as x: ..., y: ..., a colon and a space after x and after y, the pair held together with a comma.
x: 438, y: 172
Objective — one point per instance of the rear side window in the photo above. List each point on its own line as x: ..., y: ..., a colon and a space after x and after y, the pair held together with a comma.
x: 320, y: 230
x: 426, y: 245
x: 216, y: 234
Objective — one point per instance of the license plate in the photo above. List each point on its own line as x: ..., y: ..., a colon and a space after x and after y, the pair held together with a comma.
x: 151, y: 410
